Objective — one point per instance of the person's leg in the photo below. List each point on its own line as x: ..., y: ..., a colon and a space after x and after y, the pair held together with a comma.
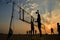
x: 40, y: 31
x: 59, y: 32
x: 33, y: 31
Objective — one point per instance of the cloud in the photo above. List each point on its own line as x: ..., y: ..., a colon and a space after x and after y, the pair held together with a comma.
x: 28, y: 0
x: 34, y: 5
x: 27, y: 9
x: 55, y: 14
x: 59, y: 4
x: 46, y: 20
x: 33, y: 12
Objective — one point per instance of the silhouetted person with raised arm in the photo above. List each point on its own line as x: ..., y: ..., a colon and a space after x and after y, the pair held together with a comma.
x: 32, y: 25
x: 39, y: 22
x: 58, y: 28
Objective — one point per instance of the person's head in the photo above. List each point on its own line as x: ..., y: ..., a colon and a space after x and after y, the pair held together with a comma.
x: 37, y: 11
x: 57, y: 23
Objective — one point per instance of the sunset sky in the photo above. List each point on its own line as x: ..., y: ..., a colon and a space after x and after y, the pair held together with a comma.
x: 49, y: 10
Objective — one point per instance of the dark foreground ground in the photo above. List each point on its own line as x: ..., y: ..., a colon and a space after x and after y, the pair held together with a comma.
x: 30, y: 37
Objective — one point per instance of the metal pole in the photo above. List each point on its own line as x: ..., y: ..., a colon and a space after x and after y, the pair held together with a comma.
x: 20, y: 13
x: 12, y: 14
x: 23, y: 14
x: 10, y: 29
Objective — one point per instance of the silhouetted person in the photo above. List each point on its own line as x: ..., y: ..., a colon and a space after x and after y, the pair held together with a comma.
x: 10, y: 33
x: 52, y: 31
x: 39, y: 22
x: 35, y: 31
x: 27, y: 32
x: 32, y: 25
x: 58, y: 28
